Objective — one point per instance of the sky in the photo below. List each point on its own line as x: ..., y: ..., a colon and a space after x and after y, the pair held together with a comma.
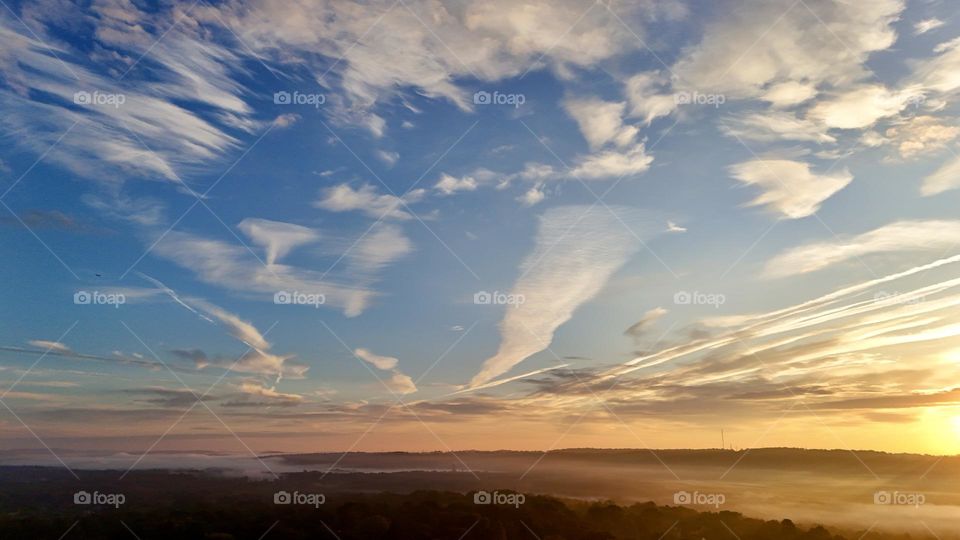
x: 277, y: 225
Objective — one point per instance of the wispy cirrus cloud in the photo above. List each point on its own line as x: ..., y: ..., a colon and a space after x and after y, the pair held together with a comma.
x: 276, y: 237
x: 601, y: 122
x: 431, y: 45
x: 773, y: 126
x: 121, y: 122
x: 926, y: 25
x: 578, y: 248
x: 398, y: 382
x: 382, y: 245
x: 788, y: 45
x: 367, y: 200
x: 231, y: 266
x: 898, y: 237
x: 257, y: 359
x: 838, y: 354
x: 946, y: 178
x: 55, y: 346
x: 639, y: 329
x: 789, y: 187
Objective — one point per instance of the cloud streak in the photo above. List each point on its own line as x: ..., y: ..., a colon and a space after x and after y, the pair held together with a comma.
x: 398, y: 383
x: 788, y: 187
x: 577, y: 249
x: 898, y: 237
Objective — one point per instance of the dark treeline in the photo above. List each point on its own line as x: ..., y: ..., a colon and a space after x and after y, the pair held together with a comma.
x: 35, y: 504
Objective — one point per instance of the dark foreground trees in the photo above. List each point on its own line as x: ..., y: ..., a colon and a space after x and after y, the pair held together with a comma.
x: 418, y: 515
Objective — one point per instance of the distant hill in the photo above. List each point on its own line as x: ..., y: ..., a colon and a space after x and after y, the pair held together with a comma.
x: 778, y: 458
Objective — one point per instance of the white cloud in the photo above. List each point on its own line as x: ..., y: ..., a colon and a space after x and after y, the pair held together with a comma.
x: 262, y: 363
x: 789, y: 93
x: 945, y: 178
x: 674, y: 228
x: 240, y: 329
x: 53, y: 346
x: 385, y: 363
x: 649, y: 97
x: 155, y: 132
x: 344, y: 198
x: 828, y: 344
x: 901, y: 236
x: 276, y: 237
x: 577, y: 249
x: 940, y: 73
x: 601, y: 122
x: 398, y: 383
x: 286, y: 120
x: 390, y: 158
x: 257, y: 360
x: 140, y: 211
x: 639, y: 328
x: 532, y: 196
x: 613, y: 163
x: 401, y: 384
x: 385, y: 243
x: 774, y: 126
x: 789, y: 188
x: 923, y: 134
x: 257, y: 389
x: 174, y: 296
x: 601, y: 165
x: 861, y: 107
x: 748, y: 51
x: 234, y: 268
x: 432, y: 44
x: 926, y: 25
x: 448, y: 185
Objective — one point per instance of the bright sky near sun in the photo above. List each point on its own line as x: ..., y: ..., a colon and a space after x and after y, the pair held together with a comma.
x: 480, y: 224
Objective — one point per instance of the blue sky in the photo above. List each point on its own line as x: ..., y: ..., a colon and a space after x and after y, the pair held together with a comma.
x: 694, y: 214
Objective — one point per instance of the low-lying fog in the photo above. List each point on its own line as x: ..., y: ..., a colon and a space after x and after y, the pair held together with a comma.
x: 859, y: 491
